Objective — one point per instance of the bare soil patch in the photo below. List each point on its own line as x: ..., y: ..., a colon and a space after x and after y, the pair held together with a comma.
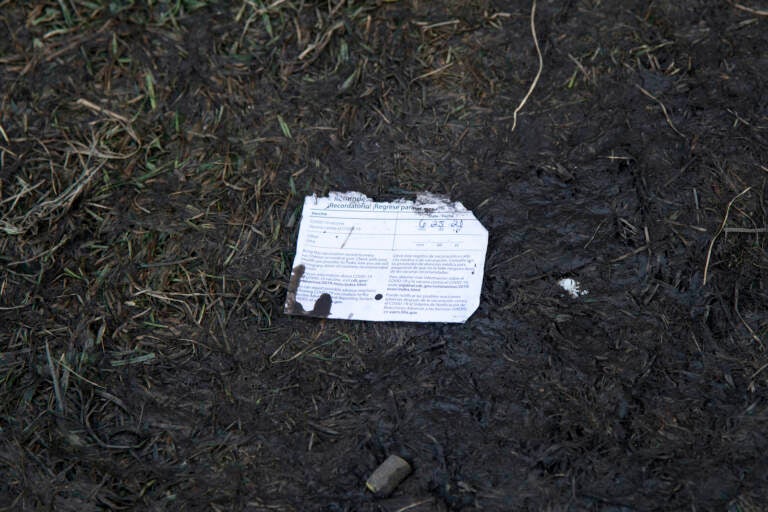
x: 153, y: 160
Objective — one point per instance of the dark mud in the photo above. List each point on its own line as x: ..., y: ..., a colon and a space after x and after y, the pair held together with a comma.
x: 154, y: 160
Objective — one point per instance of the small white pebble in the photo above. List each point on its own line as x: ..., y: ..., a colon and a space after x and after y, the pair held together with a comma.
x: 572, y: 287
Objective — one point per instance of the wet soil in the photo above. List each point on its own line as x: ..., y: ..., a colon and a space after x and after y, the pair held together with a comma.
x: 154, y: 160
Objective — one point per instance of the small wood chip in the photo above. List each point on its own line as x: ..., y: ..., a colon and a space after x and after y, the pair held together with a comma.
x: 388, y: 476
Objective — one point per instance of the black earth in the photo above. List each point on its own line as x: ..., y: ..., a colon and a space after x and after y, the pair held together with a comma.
x: 153, y: 160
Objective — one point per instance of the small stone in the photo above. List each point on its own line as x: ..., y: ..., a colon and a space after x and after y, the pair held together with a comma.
x: 388, y: 476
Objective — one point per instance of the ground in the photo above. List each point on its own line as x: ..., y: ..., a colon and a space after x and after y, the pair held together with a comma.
x: 153, y: 160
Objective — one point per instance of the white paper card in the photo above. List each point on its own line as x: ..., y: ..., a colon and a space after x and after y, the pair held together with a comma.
x: 408, y: 261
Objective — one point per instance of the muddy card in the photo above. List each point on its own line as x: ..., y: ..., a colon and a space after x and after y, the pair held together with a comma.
x: 407, y: 261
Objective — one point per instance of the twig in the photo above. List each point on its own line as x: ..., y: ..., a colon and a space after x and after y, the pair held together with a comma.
x: 719, y: 231
x: 433, y: 72
x: 101, y: 110
x: 594, y: 234
x: 415, y: 504
x: 538, y: 73
x: 757, y: 12
x: 629, y: 254
x: 42, y: 209
x: 112, y: 115
x: 9, y: 308
x: 663, y: 109
x: 271, y: 6
x: 752, y: 332
x: 759, y: 371
x: 73, y: 372
x: 76, y: 42
x: 55, y: 379
x: 746, y: 230
x: 46, y: 252
x: 581, y: 67
x: 320, y: 43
